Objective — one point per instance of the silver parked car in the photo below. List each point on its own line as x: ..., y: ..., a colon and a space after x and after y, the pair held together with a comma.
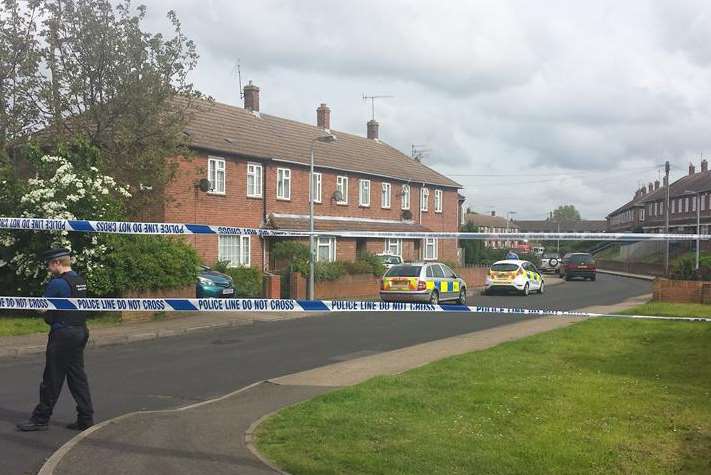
x: 550, y: 262
x: 431, y: 282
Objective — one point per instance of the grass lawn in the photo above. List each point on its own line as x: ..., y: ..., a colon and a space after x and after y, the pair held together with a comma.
x: 667, y: 309
x: 13, y: 326
x: 601, y: 396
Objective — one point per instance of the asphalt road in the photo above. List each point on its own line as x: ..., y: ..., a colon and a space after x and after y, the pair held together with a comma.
x: 177, y: 371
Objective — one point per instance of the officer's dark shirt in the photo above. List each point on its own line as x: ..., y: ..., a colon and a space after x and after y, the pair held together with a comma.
x: 58, y: 287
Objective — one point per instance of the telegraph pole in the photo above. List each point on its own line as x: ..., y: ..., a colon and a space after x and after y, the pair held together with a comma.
x: 666, y: 220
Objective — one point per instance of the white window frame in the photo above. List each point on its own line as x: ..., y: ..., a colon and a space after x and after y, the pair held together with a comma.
x: 673, y: 206
x: 703, y: 202
x: 642, y: 212
x: 438, y: 201
x: 327, y: 242
x: 364, y: 193
x: 405, y: 197
x: 237, y: 247
x: 215, y: 165
x: 385, y: 195
x: 693, y: 202
x: 429, y: 243
x: 393, y: 243
x: 283, y: 176
x: 255, y: 172
x: 342, y: 186
x: 317, y: 187
x: 424, y: 199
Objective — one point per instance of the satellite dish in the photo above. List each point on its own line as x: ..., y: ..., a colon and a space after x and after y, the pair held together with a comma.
x: 204, y: 185
x: 407, y: 215
x: 337, y: 196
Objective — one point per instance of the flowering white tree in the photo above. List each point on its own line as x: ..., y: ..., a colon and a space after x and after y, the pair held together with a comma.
x: 61, y: 190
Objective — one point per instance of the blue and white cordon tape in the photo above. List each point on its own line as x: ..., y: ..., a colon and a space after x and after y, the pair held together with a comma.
x: 281, y: 305
x: 130, y: 227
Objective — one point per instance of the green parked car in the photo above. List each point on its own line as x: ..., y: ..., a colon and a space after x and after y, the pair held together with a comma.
x: 213, y: 284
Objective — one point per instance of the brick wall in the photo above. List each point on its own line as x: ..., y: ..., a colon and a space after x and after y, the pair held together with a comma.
x: 473, y: 276
x: 349, y: 286
x: 682, y: 291
x: 631, y: 267
x: 187, y: 291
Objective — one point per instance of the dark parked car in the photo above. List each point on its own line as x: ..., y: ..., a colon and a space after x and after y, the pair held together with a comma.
x: 214, y: 284
x: 578, y: 264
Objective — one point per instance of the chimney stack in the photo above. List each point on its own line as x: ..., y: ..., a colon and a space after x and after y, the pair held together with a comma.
x: 656, y: 185
x: 692, y: 169
x: 666, y: 182
x: 373, y: 129
x: 493, y: 213
x: 704, y: 165
x: 650, y: 187
x: 251, y: 97
x: 323, y: 117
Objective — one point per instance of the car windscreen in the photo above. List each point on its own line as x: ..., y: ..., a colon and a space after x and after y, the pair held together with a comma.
x: 404, y: 271
x: 504, y: 267
x: 391, y: 259
x: 581, y: 259
x: 551, y: 256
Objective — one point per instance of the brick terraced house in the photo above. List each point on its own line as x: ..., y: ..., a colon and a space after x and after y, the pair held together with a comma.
x: 646, y: 211
x: 258, y: 167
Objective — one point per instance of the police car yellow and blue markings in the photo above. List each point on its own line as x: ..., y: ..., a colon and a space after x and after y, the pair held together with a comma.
x: 430, y: 284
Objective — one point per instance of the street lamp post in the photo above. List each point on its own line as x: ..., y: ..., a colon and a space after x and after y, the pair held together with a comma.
x: 328, y: 138
x: 666, y: 217
x: 697, y: 195
x: 508, y: 220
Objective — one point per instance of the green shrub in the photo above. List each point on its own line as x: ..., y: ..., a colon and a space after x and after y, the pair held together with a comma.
x: 330, y: 270
x: 248, y: 281
x: 685, y: 268
x: 294, y: 253
x: 144, y: 263
x: 366, y: 263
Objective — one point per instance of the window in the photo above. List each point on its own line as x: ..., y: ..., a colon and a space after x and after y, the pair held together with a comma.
x: 325, y: 249
x: 693, y: 202
x: 430, y: 249
x: 438, y: 201
x: 234, y: 249
x: 393, y: 246
x: 405, y: 197
x: 437, y: 272
x: 216, y: 175
x: 364, y: 193
x: 448, y: 273
x: 283, y: 184
x: 385, y: 196
x: 424, y: 199
x: 342, y: 187
x: 703, y: 202
x: 254, y: 180
x: 673, y: 206
x: 641, y: 214
x: 317, y: 187
x: 686, y: 204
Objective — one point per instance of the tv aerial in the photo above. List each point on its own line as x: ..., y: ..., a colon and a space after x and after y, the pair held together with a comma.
x: 420, y: 151
x: 372, y: 103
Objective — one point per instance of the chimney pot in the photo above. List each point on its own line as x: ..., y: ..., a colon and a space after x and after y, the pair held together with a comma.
x: 692, y: 169
x: 493, y: 213
x: 373, y: 129
x: 251, y: 97
x: 656, y: 185
x: 704, y: 165
x: 323, y: 116
x: 650, y: 187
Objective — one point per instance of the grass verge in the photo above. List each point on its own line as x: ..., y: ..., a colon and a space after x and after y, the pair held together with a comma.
x: 602, y: 396
x: 668, y: 309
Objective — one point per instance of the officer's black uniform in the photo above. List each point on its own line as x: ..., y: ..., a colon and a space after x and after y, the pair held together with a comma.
x: 64, y: 359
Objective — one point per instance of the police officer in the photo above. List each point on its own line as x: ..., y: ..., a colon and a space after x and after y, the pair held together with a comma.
x: 65, y: 348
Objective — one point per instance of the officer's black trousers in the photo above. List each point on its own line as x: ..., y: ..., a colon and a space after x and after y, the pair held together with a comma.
x: 65, y: 359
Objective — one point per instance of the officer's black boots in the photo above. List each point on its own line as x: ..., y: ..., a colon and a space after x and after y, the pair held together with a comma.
x: 32, y: 426
x: 79, y: 426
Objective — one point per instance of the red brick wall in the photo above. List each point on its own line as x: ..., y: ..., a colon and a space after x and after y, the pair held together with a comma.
x: 185, y: 204
x: 682, y: 291
x: 349, y: 286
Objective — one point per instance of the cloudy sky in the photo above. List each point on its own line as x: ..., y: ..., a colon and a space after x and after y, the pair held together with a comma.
x: 528, y: 105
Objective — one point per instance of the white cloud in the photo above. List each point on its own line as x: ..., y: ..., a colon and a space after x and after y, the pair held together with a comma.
x: 575, y: 101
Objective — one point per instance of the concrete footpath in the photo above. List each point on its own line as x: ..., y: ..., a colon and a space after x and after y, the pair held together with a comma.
x: 216, y: 436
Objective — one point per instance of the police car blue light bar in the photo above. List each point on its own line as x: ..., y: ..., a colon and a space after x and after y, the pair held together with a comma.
x: 133, y: 227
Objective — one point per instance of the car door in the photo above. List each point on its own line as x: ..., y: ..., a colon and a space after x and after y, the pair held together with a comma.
x: 530, y: 274
x: 440, y: 282
x: 537, y: 276
x: 452, y: 282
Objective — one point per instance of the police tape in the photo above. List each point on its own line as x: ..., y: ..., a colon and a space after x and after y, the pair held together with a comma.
x: 283, y: 305
x: 133, y: 227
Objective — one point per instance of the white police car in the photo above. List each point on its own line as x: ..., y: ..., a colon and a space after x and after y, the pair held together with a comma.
x: 516, y: 275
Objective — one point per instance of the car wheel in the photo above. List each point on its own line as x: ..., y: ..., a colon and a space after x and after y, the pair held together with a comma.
x: 462, y: 297
x: 434, y: 297
x: 526, y: 290
x: 593, y: 278
x: 567, y: 278
x: 540, y: 289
